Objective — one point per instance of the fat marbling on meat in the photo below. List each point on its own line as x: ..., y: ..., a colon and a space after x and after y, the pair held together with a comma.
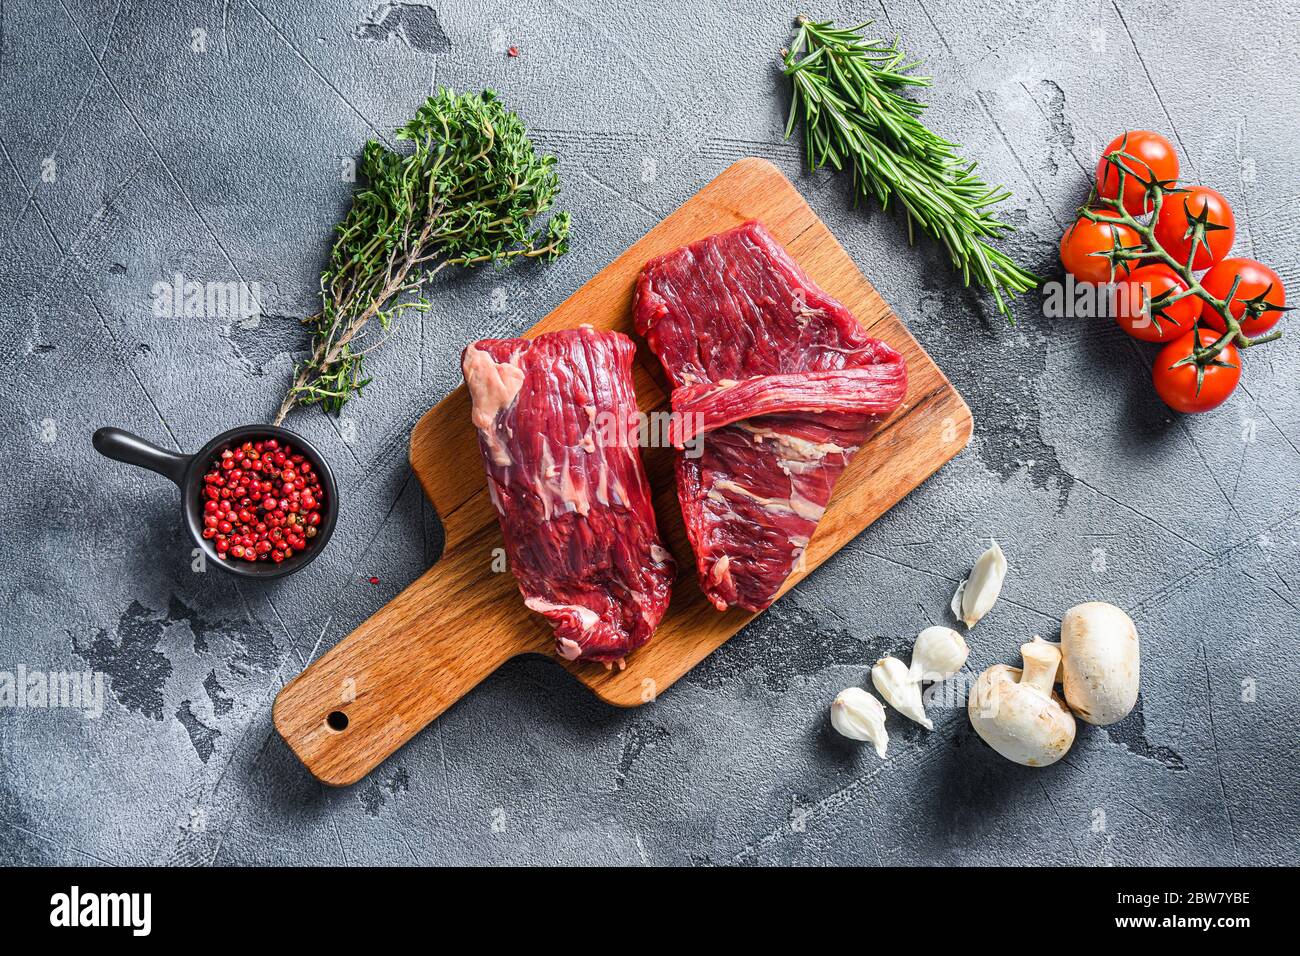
x: 557, y: 426
x: 783, y: 385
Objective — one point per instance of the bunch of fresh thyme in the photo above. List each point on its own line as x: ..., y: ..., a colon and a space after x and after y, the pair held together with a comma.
x: 848, y: 92
x: 466, y: 193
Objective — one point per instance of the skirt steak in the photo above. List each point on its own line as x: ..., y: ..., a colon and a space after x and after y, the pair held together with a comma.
x: 784, y: 386
x: 557, y: 426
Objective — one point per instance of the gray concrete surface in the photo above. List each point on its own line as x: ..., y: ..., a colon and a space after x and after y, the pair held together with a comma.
x: 140, y: 140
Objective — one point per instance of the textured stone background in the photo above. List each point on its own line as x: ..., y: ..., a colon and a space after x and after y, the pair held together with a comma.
x: 224, y: 164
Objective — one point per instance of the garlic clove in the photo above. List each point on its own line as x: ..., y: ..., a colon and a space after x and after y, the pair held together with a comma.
x: 859, y: 716
x: 891, y: 677
x: 977, y: 594
x: 939, y: 652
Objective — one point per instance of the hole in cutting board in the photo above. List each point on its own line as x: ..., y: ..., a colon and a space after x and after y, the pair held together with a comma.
x: 337, y: 720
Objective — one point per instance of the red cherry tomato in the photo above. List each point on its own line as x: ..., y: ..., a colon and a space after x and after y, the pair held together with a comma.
x: 1152, y: 155
x: 1141, y: 311
x: 1174, y: 225
x: 1260, y: 286
x: 1177, y: 385
x: 1085, y: 238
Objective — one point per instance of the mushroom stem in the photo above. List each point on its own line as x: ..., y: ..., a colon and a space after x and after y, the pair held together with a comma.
x: 1042, y: 658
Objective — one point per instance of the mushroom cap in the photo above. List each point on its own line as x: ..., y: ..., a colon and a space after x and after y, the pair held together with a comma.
x: 1019, y: 721
x: 1100, y: 662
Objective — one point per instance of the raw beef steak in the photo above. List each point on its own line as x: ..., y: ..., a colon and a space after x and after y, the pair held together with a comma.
x: 557, y: 425
x: 782, y: 384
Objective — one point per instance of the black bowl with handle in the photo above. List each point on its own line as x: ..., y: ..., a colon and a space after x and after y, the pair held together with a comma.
x: 187, y: 472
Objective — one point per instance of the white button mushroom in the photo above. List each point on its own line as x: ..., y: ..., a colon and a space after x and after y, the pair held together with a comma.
x: 891, y: 677
x: 859, y: 716
x: 1017, y: 714
x: 1099, y: 644
x: 939, y: 652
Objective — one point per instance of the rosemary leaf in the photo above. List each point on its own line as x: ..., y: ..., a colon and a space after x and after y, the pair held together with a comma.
x: 847, y: 90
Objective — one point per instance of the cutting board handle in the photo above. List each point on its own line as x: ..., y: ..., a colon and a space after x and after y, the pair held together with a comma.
x: 405, y: 665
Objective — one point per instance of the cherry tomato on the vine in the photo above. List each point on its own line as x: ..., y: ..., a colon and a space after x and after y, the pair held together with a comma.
x: 1177, y: 385
x: 1085, y: 238
x: 1258, y: 283
x: 1174, y: 225
x: 1140, y: 308
x: 1152, y: 155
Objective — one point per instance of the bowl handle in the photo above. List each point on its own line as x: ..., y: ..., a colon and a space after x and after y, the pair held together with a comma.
x: 123, y: 446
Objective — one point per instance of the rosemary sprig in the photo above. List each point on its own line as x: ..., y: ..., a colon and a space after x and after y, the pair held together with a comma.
x: 466, y: 193
x: 848, y: 91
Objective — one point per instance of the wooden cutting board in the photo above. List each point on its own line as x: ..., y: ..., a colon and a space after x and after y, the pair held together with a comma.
x: 464, y: 617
